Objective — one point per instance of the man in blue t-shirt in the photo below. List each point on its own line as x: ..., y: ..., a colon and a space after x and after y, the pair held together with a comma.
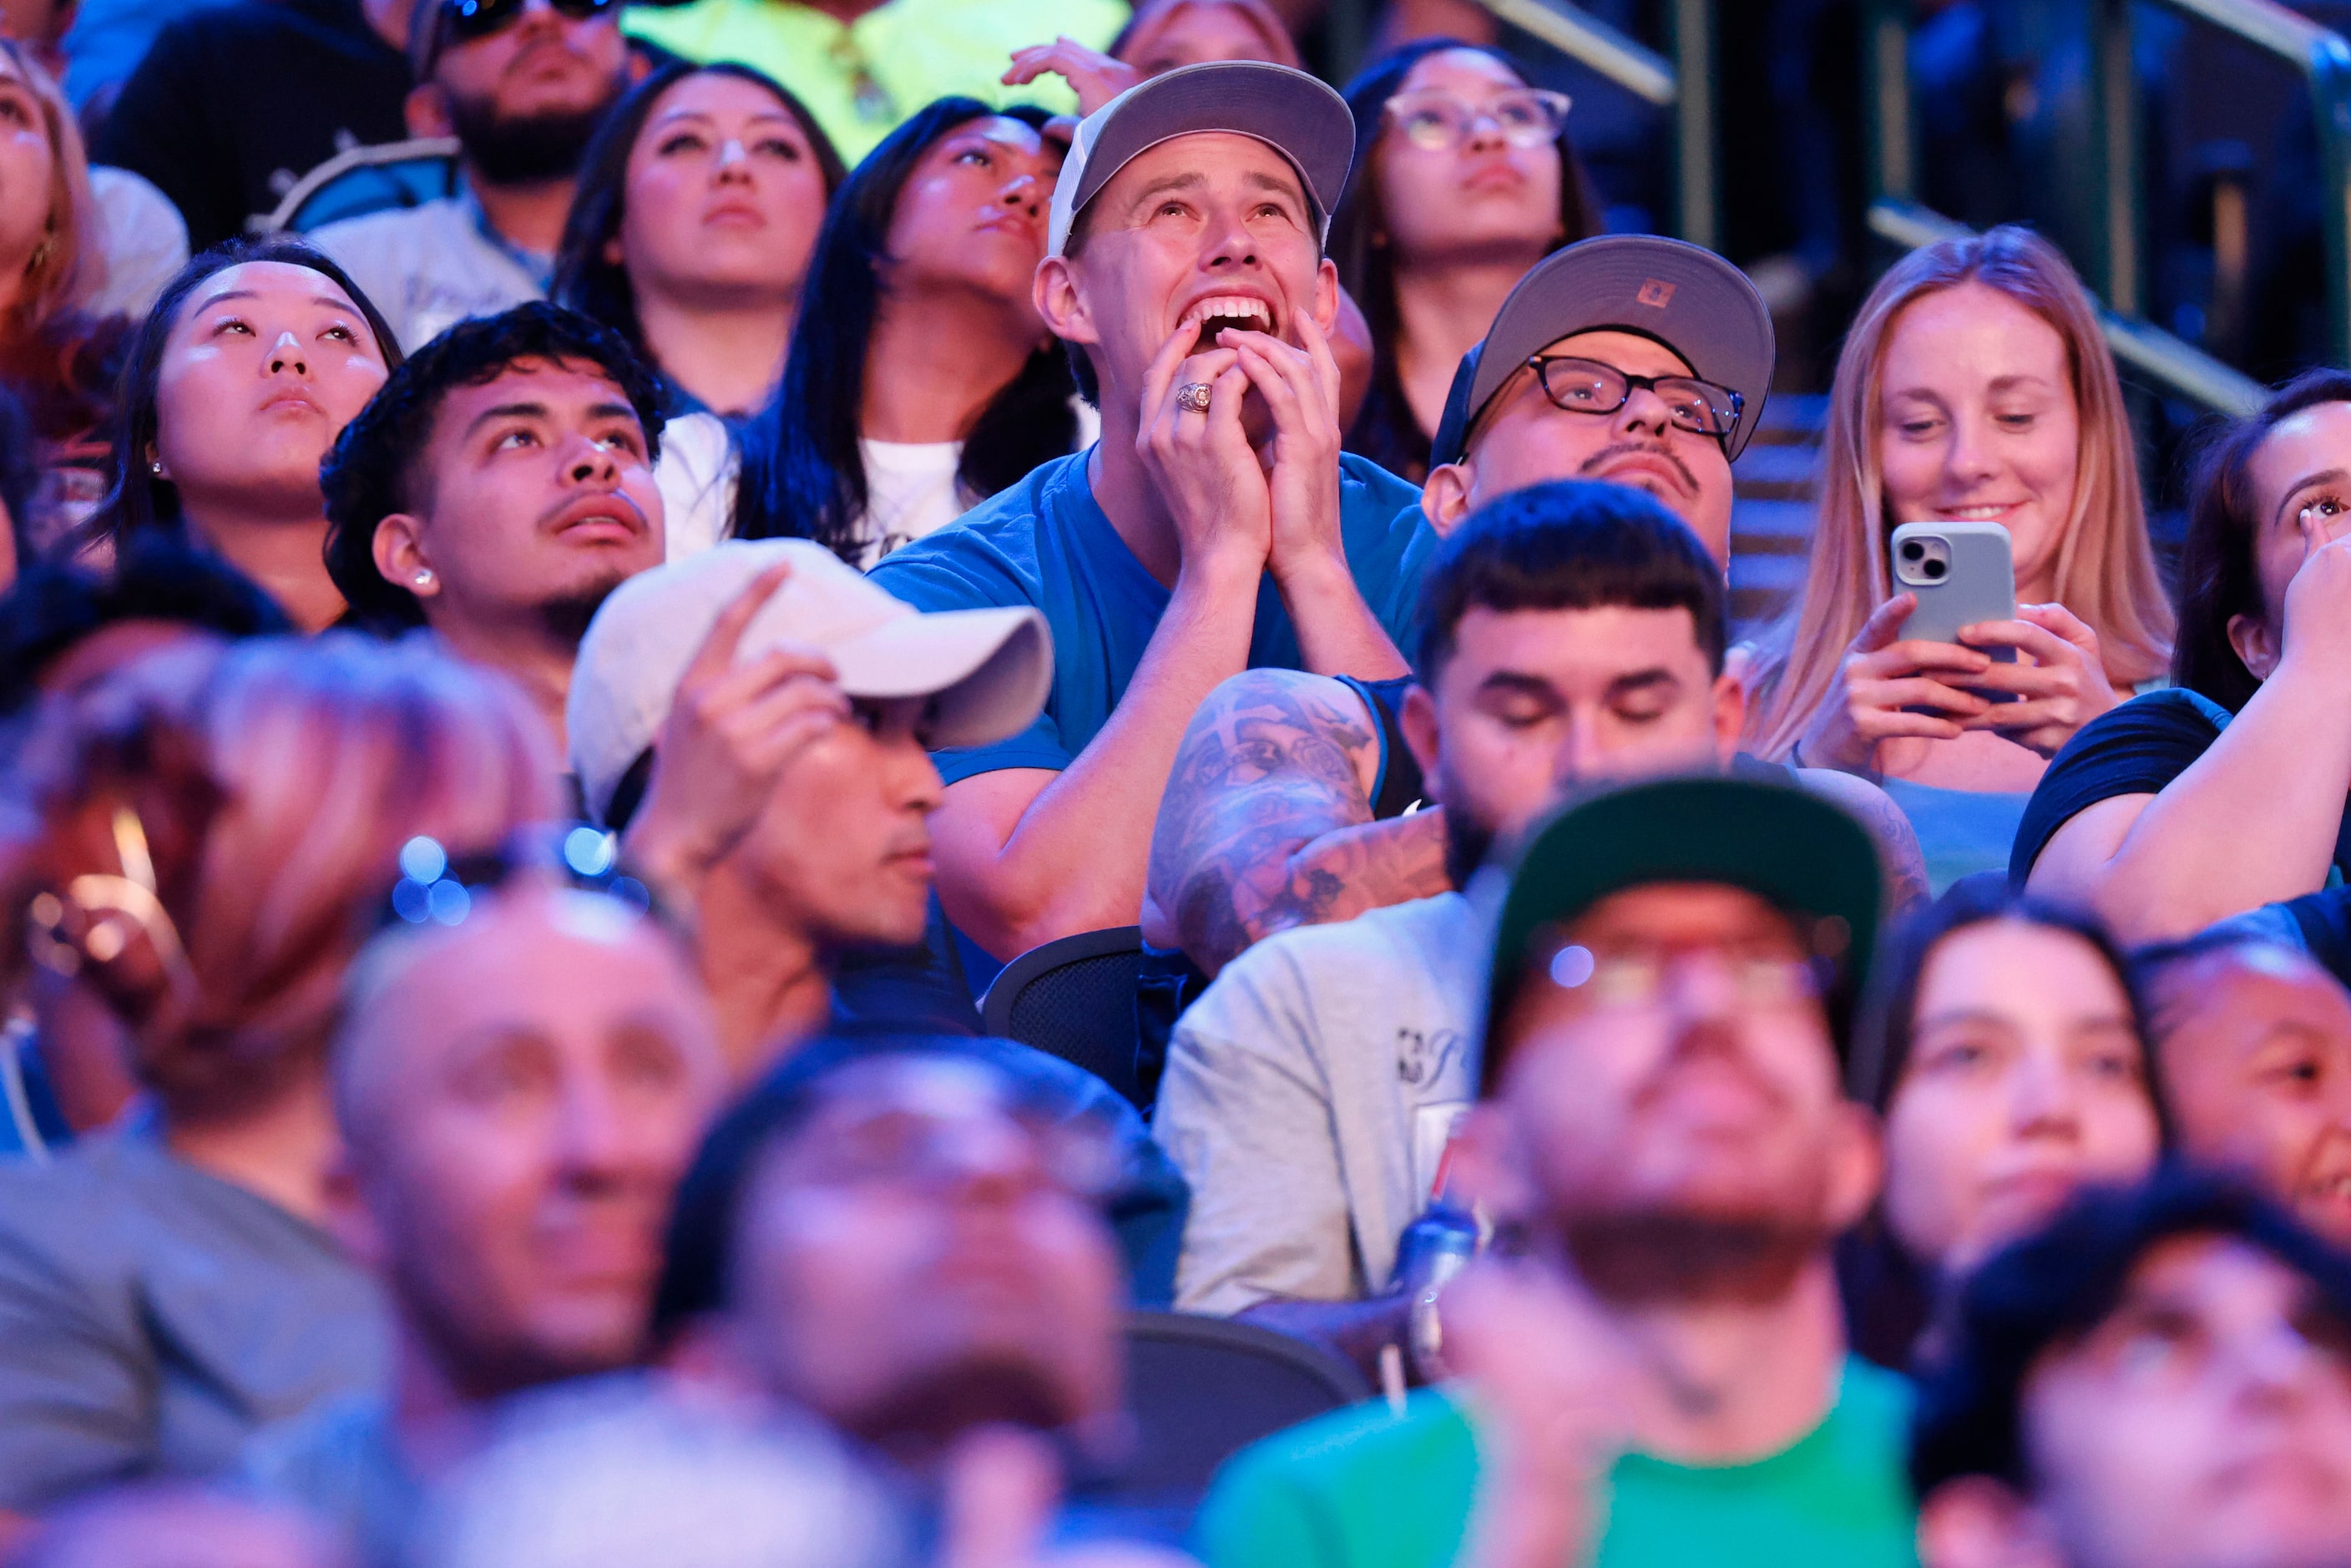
x: 1215, y: 528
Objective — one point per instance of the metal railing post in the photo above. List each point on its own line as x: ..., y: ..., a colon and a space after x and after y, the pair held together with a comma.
x: 2330, y: 92
x: 1698, y: 216
x: 2114, y: 89
x: 1886, y: 72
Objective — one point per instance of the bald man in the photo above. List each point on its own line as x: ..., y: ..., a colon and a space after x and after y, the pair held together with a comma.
x: 517, y: 1095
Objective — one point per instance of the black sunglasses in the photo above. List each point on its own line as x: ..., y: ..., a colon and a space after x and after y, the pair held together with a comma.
x: 472, y: 19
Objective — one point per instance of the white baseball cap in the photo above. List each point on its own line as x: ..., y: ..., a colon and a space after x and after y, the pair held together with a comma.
x: 1300, y: 118
x: 988, y: 669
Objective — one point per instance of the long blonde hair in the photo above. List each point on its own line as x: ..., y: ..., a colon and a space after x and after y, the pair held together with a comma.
x: 2105, y: 564
x: 69, y: 268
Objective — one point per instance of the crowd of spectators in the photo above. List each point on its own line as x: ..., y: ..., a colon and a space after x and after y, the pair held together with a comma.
x: 656, y: 553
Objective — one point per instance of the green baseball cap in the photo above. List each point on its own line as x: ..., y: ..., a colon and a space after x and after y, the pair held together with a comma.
x: 1783, y: 843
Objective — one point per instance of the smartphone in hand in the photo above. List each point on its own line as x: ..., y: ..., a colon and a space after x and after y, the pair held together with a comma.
x: 1962, y: 573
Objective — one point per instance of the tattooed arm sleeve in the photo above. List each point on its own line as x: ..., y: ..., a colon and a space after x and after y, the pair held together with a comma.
x: 1266, y: 820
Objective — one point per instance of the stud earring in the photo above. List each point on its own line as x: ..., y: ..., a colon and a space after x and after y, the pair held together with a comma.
x: 156, y: 469
x: 422, y: 578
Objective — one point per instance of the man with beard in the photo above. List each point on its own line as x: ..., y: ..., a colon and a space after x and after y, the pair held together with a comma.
x: 517, y: 1096
x: 521, y: 85
x: 1664, y: 1139
x: 497, y: 488
x: 908, y: 1244
x: 1571, y: 633
x: 1631, y: 359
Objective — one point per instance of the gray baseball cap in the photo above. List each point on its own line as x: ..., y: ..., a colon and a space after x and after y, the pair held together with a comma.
x: 1291, y: 112
x: 1683, y: 295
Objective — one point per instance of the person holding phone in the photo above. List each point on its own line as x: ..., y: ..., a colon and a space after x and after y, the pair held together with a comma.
x: 1974, y: 388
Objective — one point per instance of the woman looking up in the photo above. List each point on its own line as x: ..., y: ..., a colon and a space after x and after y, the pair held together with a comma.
x: 255, y: 357
x: 1464, y: 177
x: 690, y: 234
x: 1974, y: 386
x: 921, y: 381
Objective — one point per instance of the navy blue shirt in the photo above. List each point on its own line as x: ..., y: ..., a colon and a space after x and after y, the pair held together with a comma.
x: 1046, y: 542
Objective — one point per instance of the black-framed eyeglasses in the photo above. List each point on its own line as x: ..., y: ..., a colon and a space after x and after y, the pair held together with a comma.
x: 1589, y: 386
x: 438, y: 887
x: 472, y: 19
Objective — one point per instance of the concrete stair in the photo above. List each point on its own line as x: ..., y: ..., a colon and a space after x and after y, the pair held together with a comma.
x: 1771, y: 511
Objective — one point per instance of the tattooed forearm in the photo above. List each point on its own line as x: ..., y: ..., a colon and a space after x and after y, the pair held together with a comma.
x: 1346, y: 872
x: 1274, y: 759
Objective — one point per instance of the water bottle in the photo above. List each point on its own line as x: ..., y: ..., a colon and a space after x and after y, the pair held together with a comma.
x: 1432, y: 1249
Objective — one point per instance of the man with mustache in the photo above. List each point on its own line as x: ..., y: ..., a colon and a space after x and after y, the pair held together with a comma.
x: 497, y: 488
x: 1290, y: 792
x: 1215, y: 528
x: 521, y: 84
x: 1662, y: 1132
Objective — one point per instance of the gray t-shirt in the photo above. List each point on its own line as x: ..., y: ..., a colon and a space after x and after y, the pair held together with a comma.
x: 430, y: 266
x: 1309, y: 1096
x: 152, y: 1317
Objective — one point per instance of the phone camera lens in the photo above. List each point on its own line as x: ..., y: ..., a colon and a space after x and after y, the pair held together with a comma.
x: 1912, y: 550
x: 1934, y: 568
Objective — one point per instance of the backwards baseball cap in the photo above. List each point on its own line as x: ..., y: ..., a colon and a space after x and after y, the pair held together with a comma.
x: 1782, y: 844
x: 1682, y: 295
x: 988, y: 670
x: 1290, y: 111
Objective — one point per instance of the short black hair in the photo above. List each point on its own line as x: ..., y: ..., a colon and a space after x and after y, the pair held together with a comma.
x: 2054, y: 1287
x: 697, y: 1270
x: 369, y: 471
x: 156, y: 577
x: 1569, y: 544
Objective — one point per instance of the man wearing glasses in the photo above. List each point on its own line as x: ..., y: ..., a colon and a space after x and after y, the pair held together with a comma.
x: 1627, y: 359
x: 521, y: 84
x: 1657, y: 1367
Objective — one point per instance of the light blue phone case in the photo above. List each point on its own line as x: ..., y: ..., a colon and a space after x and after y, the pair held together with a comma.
x: 1962, y: 574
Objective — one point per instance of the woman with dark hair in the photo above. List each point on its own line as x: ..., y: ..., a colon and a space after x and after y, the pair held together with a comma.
x: 253, y: 359
x: 2003, y: 1047
x: 698, y: 205
x: 921, y: 381
x: 1464, y: 177
x: 2227, y: 791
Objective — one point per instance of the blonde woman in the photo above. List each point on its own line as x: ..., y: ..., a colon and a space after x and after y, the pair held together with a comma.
x: 1973, y: 386
x: 210, y: 834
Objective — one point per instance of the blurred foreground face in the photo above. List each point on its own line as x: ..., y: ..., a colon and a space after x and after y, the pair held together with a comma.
x: 526, y: 1099
x: 2254, y: 1052
x: 1672, y: 1063
x: 2023, y: 1081
x: 921, y: 1258
x: 2205, y: 1423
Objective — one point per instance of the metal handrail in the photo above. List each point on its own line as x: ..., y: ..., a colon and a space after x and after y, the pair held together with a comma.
x: 2324, y: 58
x: 1577, y: 33
x: 2154, y: 352
x: 2322, y: 55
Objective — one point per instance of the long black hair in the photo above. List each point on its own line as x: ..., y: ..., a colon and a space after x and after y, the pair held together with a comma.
x: 137, y: 497
x: 1385, y: 429
x: 803, y: 476
x: 2219, y: 562
x: 585, y: 278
